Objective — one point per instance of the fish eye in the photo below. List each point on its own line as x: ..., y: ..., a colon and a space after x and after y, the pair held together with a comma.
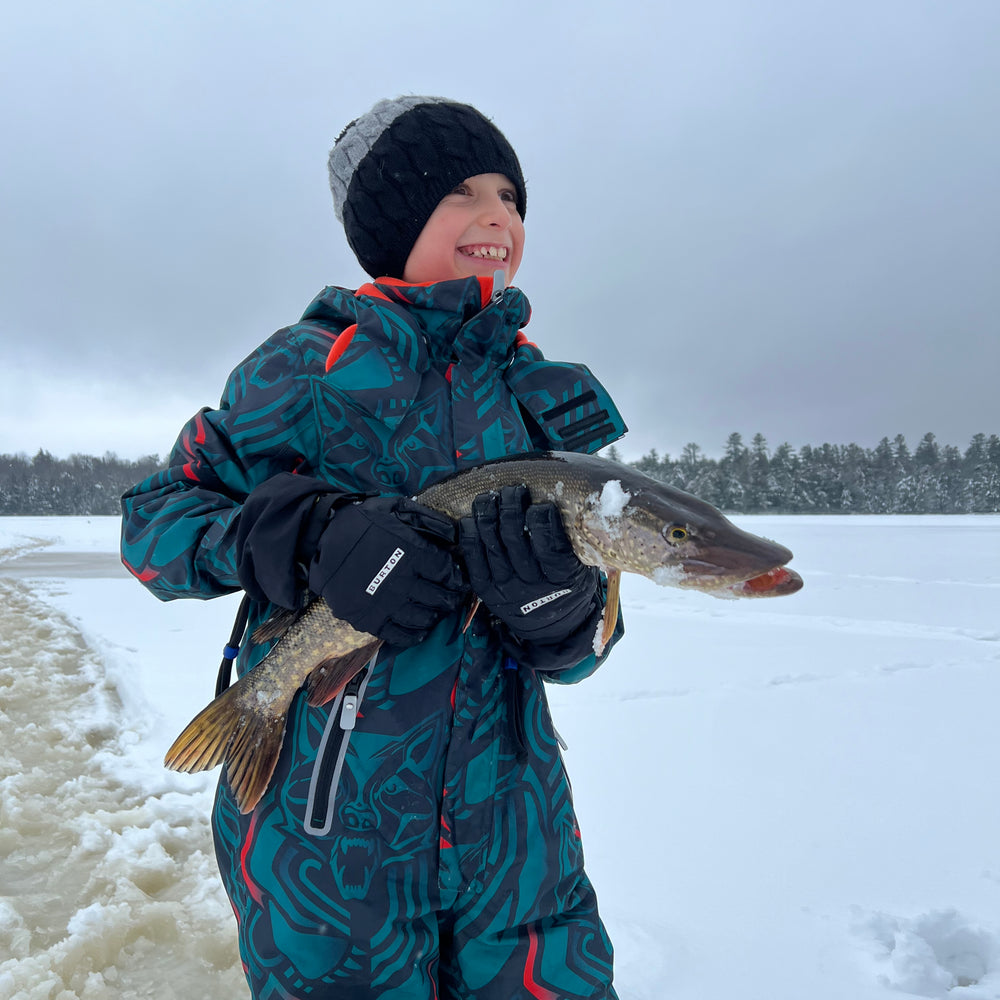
x: 676, y: 533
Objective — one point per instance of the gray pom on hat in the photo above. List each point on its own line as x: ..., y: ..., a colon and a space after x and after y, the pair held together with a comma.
x: 390, y: 168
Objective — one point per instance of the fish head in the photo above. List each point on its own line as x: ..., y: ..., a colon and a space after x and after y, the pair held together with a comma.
x: 639, y: 525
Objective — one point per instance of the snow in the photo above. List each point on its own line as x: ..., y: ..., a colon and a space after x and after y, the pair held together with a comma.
x: 610, y: 504
x: 784, y: 799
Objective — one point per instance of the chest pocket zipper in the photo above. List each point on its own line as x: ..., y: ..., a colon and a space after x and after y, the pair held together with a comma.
x: 331, y: 754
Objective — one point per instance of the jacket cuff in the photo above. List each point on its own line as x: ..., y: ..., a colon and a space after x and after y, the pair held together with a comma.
x: 276, y: 535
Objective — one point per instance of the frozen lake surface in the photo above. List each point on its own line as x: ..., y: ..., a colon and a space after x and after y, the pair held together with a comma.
x: 790, y: 799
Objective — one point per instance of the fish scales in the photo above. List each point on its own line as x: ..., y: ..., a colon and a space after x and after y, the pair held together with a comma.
x: 615, y: 517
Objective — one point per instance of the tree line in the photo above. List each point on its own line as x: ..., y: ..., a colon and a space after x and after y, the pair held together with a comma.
x: 839, y: 479
x: 80, y: 484
x: 749, y: 479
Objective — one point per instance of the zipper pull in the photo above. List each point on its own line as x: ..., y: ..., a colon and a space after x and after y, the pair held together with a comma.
x: 349, y: 711
x: 498, y: 285
x: 352, y: 701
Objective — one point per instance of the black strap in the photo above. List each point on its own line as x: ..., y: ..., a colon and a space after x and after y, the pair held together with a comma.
x: 233, y: 648
x: 515, y: 709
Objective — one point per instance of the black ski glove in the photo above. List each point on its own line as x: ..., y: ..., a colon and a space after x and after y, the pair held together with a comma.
x: 276, y: 535
x: 385, y: 565
x: 523, y: 568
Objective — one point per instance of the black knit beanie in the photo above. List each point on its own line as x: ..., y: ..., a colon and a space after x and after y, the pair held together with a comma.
x: 390, y: 168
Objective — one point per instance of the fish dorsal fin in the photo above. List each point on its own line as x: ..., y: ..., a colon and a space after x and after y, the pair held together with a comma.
x: 277, y: 625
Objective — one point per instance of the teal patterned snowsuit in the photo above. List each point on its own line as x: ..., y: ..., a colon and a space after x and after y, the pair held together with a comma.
x: 415, y: 855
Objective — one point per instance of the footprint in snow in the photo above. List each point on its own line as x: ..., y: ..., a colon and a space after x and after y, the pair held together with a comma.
x: 940, y: 954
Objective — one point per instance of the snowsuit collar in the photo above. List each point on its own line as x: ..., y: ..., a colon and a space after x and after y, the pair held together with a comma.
x: 433, y: 378
x: 428, y: 323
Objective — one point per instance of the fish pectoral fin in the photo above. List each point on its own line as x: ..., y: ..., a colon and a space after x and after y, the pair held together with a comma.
x: 474, y: 606
x: 611, y: 603
x: 329, y: 677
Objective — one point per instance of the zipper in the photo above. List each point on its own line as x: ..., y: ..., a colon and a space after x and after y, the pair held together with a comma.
x: 563, y: 745
x: 332, y: 751
x: 499, y: 280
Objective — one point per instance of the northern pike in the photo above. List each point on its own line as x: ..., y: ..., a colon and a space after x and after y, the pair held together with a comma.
x: 616, y: 518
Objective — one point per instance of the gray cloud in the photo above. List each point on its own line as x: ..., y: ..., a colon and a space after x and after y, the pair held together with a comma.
x: 776, y: 217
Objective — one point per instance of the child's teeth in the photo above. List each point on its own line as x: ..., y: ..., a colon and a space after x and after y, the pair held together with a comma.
x: 498, y: 253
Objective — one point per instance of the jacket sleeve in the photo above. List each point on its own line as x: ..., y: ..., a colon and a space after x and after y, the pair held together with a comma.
x: 179, y: 525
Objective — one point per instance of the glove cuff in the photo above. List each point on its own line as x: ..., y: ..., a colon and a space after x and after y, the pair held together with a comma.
x: 560, y: 654
x: 276, y: 535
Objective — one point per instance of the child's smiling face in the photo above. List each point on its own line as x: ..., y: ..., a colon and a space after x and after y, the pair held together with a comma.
x: 475, y: 230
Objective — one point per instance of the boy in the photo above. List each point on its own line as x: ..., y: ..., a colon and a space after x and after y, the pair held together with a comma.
x: 425, y: 845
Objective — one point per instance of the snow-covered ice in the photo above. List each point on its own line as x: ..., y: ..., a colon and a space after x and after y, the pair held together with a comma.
x: 788, y: 799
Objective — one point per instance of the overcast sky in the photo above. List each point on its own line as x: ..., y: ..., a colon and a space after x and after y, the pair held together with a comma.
x: 744, y: 215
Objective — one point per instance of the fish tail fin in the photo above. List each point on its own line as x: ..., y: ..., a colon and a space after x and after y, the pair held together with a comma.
x: 203, y: 743
x: 224, y: 732
x: 252, y: 757
x: 331, y: 676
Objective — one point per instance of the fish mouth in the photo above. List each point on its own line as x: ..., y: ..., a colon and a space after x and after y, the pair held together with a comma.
x: 719, y: 571
x: 774, y: 583
x: 757, y: 566
x: 736, y: 581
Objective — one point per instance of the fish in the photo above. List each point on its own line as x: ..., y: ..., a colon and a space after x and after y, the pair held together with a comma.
x: 616, y: 518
